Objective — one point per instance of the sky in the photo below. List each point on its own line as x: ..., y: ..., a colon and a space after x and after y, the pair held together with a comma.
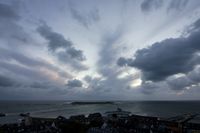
x: 99, y: 50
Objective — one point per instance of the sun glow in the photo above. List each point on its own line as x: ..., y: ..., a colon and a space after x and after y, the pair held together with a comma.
x: 136, y: 83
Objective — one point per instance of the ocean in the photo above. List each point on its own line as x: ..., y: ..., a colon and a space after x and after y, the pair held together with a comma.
x: 52, y: 109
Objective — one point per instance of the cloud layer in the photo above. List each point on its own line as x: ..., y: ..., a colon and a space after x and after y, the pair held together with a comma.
x: 62, y: 48
x: 44, y: 45
x: 85, y: 19
x: 166, y: 58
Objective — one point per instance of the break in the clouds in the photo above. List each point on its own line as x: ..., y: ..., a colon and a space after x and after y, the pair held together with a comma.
x: 99, y: 50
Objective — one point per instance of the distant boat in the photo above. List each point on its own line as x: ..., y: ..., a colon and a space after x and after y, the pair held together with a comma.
x: 118, y: 113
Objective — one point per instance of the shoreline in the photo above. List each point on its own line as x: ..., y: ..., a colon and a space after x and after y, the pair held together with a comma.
x: 114, y: 121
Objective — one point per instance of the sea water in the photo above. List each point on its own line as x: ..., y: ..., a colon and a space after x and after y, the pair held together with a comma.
x: 52, y: 109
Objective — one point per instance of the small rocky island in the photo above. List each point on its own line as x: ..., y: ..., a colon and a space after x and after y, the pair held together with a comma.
x: 87, y: 102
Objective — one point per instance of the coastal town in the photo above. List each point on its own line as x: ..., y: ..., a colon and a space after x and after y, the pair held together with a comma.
x: 118, y: 121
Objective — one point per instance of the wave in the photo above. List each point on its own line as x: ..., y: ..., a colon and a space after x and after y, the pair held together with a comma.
x: 66, y: 103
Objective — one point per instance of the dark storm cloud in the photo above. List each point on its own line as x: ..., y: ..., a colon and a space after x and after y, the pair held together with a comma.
x: 166, y: 58
x: 148, y: 5
x: 123, y: 61
x: 85, y: 19
x: 74, y: 83
x: 62, y: 48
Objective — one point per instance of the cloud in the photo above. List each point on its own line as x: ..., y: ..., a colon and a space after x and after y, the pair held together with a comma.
x: 179, y: 83
x: 74, y: 83
x: 166, y: 58
x: 23, y: 73
x: 123, y: 61
x: 109, y: 48
x: 76, y: 65
x: 185, y: 81
x: 33, y: 76
x: 28, y: 81
x: 31, y: 81
x: 148, y: 87
x: 10, y: 29
x: 107, y: 85
x: 177, y: 4
x: 8, y: 55
x: 56, y: 40
x: 30, y: 76
x: 108, y: 52
x: 149, y: 5
x: 85, y: 19
x: 6, y: 82
x: 63, y: 49
x: 6, y: 12
x: 194, y: 75
x: 42, y: 85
